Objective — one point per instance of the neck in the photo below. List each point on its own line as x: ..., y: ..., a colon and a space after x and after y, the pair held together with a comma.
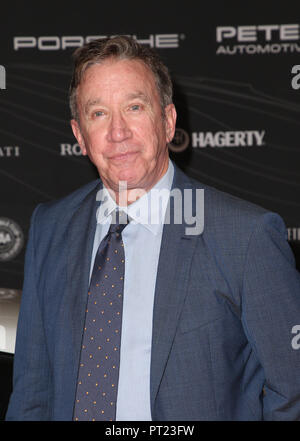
x: 124, y: 196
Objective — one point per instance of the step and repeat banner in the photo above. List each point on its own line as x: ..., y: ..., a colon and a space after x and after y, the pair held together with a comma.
x: 236, y: 71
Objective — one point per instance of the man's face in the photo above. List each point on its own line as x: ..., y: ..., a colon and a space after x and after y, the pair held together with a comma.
x: 121, y: 127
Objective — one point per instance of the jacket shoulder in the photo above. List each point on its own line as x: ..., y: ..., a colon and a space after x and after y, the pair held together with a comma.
x: 217, y: 199
x: 67, y: 204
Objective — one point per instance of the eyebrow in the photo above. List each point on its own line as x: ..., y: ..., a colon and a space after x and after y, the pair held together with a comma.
x: 130, y: 96
x: 91, y: 103
x: 139, y: 95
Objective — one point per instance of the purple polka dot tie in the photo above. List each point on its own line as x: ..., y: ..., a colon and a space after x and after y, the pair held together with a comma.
x: 98, y: 373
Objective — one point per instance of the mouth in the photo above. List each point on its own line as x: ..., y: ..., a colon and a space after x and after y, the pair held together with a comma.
x: 120, y: 157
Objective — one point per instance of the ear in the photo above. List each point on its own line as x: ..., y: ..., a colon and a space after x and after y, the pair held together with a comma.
x: 78, y: 136
x: 171, y: 116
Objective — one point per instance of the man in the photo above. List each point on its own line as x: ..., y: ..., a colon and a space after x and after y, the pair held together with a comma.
x: 207, y: 319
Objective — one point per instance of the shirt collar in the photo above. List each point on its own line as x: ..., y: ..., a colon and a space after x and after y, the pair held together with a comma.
x: 149, y: 210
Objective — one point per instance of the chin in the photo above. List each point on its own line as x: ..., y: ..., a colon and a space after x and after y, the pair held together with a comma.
x: 130, y: 176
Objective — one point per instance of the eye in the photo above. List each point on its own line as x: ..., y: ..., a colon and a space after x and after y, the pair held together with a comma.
x: 98, y: 113
x: 135, y: 107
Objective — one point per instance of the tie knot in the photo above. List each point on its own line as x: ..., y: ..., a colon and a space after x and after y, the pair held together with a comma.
x: 118, y: 222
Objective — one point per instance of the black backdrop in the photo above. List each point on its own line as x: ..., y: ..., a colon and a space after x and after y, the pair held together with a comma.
x: 237, y: 93
x: 239, y: 115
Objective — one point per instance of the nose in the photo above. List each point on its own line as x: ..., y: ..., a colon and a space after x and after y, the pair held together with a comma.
x: 118, y: 130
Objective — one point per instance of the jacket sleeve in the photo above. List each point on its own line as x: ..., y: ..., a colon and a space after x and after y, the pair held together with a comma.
x: 270, y: 315
x: 31, y: 379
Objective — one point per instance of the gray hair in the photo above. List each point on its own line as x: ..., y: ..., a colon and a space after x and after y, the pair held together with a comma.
x: 119, y: 47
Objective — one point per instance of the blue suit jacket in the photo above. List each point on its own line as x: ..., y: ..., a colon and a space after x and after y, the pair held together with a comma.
x: 225, y: 305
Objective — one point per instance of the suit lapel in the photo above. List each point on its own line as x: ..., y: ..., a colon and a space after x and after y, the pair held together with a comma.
x: 175, y: 259
x: 80, y: 244
x: 81, y: 237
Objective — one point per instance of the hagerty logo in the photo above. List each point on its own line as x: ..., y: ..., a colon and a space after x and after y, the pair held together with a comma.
x: 244, y: 138
x: 11, y: 239
x: 180, y: 142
